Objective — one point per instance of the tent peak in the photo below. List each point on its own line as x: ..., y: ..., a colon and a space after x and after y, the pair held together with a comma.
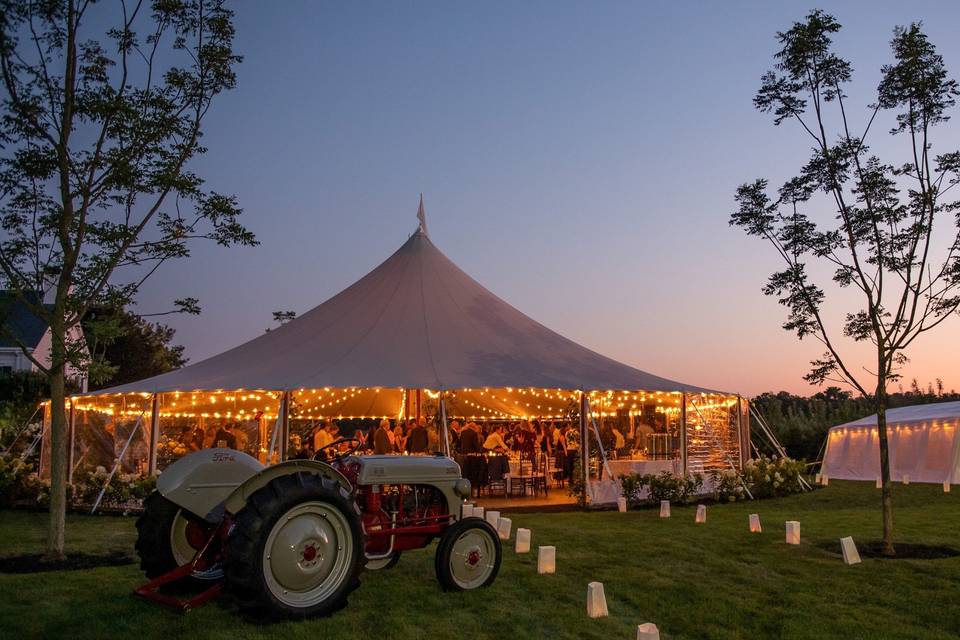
x: 422, y: 218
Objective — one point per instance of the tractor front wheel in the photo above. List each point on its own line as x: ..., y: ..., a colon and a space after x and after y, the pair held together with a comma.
x: 169, y: 537
x: 296, y: 549
x: 468, y: 555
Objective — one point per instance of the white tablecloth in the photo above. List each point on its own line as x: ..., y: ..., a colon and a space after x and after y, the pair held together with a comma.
x: 626, y: 467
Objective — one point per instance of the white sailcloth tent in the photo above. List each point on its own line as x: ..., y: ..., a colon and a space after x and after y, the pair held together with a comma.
x: 924, y: 445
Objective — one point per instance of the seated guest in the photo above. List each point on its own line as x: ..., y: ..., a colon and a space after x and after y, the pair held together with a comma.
x: 494, y: 441
x: 381, y: 439
x: 417, y: 439
x: 469, y: 439
x: 321, y: 437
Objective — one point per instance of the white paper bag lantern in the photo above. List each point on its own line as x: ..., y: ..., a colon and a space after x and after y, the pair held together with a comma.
x: 701, y: 514
x: 664, y: 508
x: 850, y: 553
x: 622, y: 504
x: 503, y: 528
x: 906, y: 479
x: 755, y: 523
x: 879, y: 483
x: 466, y: 510
x: 478, y: 512
x: 492, y: 517
x: 547, y: 560
x: 648, y: 631
x: 523, y: 540
x: 793, y: 532
x: 816, y: 478
x: 946, y: 487
x: 824, y: 480
x: 596, y: 601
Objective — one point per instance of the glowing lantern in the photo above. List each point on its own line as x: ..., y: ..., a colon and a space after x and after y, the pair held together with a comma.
x: 503, y: 528
x: 879, y: 483
x: 648, y: 631
x: 596, y: 601
x: 478, y: 512
x: 701, y: 517
x: 946, y: 487
x: 664, y: 508
x: 523, y: 541
x: 906, y: 479
x: 547, y: 560
x: 850, y: 553
x: 622, y: 504
x: 755, y: 523
x: 793, y: 532
x: 466, y: 510
x: 493, y: 517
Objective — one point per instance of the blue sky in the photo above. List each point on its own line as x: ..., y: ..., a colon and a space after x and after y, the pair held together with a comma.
x: 578, y: 159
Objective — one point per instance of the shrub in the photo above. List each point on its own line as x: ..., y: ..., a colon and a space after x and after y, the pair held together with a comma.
x: 766, y: 477
x: 663, y: 486
x: 14, y: 479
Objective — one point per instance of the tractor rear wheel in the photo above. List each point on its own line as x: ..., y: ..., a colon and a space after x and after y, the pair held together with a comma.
x: 468, y: 555
x: 169, y: 537
x: 296, y: 549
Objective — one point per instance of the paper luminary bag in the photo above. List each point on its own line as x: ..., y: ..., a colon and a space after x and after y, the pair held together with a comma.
x: 492, y: 517
x: 755, y: 523
x: 622, y: 504
x: 547, y: 560
x: 664, y: 508
x: 793, y: 532
x: 523, y: 540
x: 596, y: 600
x: 648, y: 631
x: 701, y: 516
x: 503, y: 528
x: 849, y: 549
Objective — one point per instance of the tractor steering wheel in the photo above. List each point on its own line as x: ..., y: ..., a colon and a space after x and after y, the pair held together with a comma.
x: 356, y: 445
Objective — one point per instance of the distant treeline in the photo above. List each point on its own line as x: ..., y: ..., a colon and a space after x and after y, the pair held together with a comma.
x: 801, y: 423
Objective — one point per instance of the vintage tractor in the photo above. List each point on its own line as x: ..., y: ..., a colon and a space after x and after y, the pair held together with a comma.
x: 290, y: 540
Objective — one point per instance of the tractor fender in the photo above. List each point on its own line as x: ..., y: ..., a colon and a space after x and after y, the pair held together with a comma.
x: 238, y: 498
x: 199, y: 482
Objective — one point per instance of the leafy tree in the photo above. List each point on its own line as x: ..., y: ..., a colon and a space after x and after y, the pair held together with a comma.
x: 282, y: 318
x: 97, y: 132
x: 127, y: 347
x: 880, y: 241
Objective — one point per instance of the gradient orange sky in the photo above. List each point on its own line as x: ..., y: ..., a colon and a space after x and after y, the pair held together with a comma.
x: 579, y: 160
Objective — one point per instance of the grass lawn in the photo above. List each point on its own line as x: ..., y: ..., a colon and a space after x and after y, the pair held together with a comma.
x: 695, y: 581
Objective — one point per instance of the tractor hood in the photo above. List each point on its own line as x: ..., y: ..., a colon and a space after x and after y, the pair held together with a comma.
x: 406, y: 469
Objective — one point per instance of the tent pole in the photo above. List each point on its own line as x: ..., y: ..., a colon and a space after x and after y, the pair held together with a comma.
x: 154, y: 435
x: 740, y: 430
x: 71, y: 438
x: 284, y: 425
x: 584, y: 450
x: 683, y: 433
x: 444, y: 431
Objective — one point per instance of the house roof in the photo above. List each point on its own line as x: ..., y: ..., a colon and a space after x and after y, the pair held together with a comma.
x: 19, y: 323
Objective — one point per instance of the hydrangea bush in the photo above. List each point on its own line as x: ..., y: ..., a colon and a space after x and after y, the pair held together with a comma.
x: 766, y: 476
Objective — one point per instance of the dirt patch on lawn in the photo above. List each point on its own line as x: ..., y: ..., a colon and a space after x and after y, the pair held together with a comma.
x: 905, y: 550
x: 35, y: 563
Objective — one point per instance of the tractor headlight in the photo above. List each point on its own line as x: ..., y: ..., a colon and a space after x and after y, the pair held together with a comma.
x: 462, y: 488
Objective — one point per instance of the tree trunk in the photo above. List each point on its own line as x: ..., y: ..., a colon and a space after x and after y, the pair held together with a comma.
x: 59, y: 439
x: 886, y: 493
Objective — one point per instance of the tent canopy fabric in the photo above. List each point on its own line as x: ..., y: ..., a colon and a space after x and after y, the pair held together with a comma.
x: 417, y: 321
x: 924, y: 445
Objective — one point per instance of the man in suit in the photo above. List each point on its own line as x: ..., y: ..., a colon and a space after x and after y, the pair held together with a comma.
x: 381, y: 439
x: 417, y: 440
x: 469, y: 440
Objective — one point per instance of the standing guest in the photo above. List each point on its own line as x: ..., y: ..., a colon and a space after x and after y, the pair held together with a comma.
x: 417, y: 439
x: 382, y: 441
x: 399, y: 439
x: 454, y: 435
x: 572, y: 437
x: 469, y: 439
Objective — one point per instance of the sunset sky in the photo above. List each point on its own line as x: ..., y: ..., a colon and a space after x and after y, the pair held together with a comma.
x: 578, y: 159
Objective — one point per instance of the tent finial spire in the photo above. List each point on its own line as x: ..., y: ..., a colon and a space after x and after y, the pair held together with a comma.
x: 422, y: 217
